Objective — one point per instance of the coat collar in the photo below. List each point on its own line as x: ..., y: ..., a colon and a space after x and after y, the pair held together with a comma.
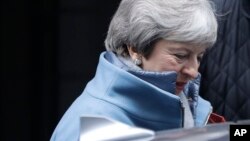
x: 139, y: 98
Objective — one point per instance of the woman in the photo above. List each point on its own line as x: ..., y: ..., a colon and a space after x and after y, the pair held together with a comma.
x: 148, y: 77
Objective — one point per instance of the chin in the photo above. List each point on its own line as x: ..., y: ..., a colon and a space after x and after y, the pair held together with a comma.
x: 177, y: 92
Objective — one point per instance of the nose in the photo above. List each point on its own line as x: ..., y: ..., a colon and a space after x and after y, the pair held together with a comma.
x: 191, y: 69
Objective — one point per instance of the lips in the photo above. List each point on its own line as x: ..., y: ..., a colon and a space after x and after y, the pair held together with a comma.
x: 180, y: 85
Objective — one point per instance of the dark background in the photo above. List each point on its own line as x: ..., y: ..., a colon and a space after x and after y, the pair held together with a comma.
x: 49, y: 51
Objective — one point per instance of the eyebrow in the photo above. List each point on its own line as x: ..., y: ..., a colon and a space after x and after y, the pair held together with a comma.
x: 180, y: 49
x: 185, y: 49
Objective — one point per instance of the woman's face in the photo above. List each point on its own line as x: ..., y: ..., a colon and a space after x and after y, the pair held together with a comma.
x: 172, y: 56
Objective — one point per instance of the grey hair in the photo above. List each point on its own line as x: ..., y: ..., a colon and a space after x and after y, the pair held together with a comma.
x: 140, y: 23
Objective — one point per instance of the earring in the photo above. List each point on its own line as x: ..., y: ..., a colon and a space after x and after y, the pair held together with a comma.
x: 137, y: 61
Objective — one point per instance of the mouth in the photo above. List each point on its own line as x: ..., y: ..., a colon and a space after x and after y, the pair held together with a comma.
x: 180, y: 85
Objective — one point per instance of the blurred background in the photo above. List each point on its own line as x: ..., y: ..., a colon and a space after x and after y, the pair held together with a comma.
x: 49, y: 50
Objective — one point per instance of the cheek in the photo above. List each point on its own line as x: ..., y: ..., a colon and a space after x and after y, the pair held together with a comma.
x: 161, y: 62
x: 170, y: 64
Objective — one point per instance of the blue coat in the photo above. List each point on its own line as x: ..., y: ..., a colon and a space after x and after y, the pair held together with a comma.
x: 120, y: 95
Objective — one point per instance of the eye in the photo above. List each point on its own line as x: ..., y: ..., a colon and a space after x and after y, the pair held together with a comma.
x: 181, y: 56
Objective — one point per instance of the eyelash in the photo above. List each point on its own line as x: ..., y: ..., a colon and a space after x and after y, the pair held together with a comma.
x: 180, y: 57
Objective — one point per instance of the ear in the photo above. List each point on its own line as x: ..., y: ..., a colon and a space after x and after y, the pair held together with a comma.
x: 132, y: 53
